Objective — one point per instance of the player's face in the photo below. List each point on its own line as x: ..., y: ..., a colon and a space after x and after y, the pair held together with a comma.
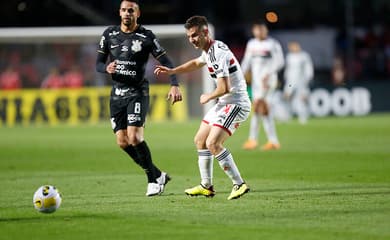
x: 129, y: 12
x: 198, y: 37
x: 294, y: 47
x: 260, y: 31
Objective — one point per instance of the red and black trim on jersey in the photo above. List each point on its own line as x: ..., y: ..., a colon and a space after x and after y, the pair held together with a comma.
x: 232, y: 68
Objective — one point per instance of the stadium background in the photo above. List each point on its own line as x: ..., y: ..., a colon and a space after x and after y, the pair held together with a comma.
x: 330, y: 179
x: 349, y: 42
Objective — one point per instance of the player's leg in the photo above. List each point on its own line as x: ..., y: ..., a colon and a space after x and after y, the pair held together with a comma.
x: 228, y: 120
x: 137, y: 109
x: 205, y: 163
x: 265, y: 107
x: 252, y: 141
x: 301, y: 106
x: 118, y: 111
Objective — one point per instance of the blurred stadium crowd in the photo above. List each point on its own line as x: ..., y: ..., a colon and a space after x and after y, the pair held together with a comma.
x: 361, y: 43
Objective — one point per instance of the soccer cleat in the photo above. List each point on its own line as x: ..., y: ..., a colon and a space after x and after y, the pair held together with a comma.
x: 238, y: 191
x: 200, y: 190
x: 270, y: 146
x: 250, y: 144
x: 163, y: 180
x: 153, y: 189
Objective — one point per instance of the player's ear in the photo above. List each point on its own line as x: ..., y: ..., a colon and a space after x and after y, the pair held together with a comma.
x: 205, y: 31
x: 138, y: 12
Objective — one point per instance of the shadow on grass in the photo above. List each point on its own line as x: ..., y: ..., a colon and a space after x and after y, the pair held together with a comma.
x: 51, y: 217
x: 329, y: 191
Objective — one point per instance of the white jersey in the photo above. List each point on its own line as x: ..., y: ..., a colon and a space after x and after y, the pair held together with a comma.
x: 222, y: 63
x: 263, y: 57
x: 298, y: 72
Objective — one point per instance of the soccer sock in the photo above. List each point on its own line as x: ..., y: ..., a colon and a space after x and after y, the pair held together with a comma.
x: 130, y: 150
x: 269, y: 128
x: 225, y: 160
x: 254, y: 127
x: 146, y: 161
x: 301, y: 110
x: 205, y: 162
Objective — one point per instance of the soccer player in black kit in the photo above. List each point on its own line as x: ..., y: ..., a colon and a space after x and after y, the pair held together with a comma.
x: 128, y: 47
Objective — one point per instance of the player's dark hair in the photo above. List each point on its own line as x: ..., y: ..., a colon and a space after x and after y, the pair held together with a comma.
x: 196, y: 21
x: 260, y: 22
x: 134, y: 1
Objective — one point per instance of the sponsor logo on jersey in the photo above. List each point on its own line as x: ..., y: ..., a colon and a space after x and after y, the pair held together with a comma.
x: 125, y: 48
x: 131, y: 118
x: 222, y: 46
x: 114, y: 46
x: 102, y: 42
x: 125, y: 62
x: 113, y: 33
x: 136, y: 47
x: 121, y: 91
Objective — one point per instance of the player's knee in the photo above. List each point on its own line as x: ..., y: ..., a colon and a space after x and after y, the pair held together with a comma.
x: 122, y: 142
x: 214, y: 146
x: 133, y: 139
x: 199, y: 142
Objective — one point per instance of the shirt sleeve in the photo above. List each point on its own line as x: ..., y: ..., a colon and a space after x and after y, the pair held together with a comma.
x: 102, y: 53
x: 277, y: 58
x: 245, y: 63
x: 308, y: 68
x: 103, y: 44
x: 157, y: 49
x: 221, y: 67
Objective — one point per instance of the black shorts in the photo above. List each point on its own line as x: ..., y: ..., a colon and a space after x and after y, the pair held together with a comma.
x: 129, y: 108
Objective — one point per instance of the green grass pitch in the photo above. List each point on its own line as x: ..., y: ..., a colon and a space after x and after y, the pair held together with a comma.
x: 330, y: 180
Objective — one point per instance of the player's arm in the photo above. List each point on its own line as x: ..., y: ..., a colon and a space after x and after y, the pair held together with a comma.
x: 245, y: 63
x: 308, y: 68
x: 102, y: 66
x: 174, y: 94
x: 277, y: 59
x: 223, y: 87
x: 189, y: 66
x: 102, y: 56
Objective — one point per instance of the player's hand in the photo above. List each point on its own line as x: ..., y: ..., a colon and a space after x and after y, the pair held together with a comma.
x: 162, y: 70
x: 111, y: 67
x: 204, y: 98
x: 174, y: 95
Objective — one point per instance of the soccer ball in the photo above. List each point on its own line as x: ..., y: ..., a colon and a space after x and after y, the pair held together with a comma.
x: 47, y: 199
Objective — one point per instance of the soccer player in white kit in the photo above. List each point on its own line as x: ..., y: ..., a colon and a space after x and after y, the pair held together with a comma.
x: 298, y: 74
x: 232, y: 108
x: 264, y: 57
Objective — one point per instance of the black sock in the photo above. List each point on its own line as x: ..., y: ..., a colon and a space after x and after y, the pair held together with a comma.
x: 145, y: 161
x: 130, y: 150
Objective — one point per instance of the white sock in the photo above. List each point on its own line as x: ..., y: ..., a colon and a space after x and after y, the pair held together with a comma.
x: 269, y: 128
x: 301, y: 110
x: 205, y: 162
x: 225, y: 160
x: 254, y: 128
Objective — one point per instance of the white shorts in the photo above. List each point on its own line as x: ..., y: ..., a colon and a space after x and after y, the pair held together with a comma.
x: 258, y: 89
x: 228, y: 117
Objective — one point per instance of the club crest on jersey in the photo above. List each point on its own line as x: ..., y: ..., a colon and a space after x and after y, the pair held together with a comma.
x: 136, y: 47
